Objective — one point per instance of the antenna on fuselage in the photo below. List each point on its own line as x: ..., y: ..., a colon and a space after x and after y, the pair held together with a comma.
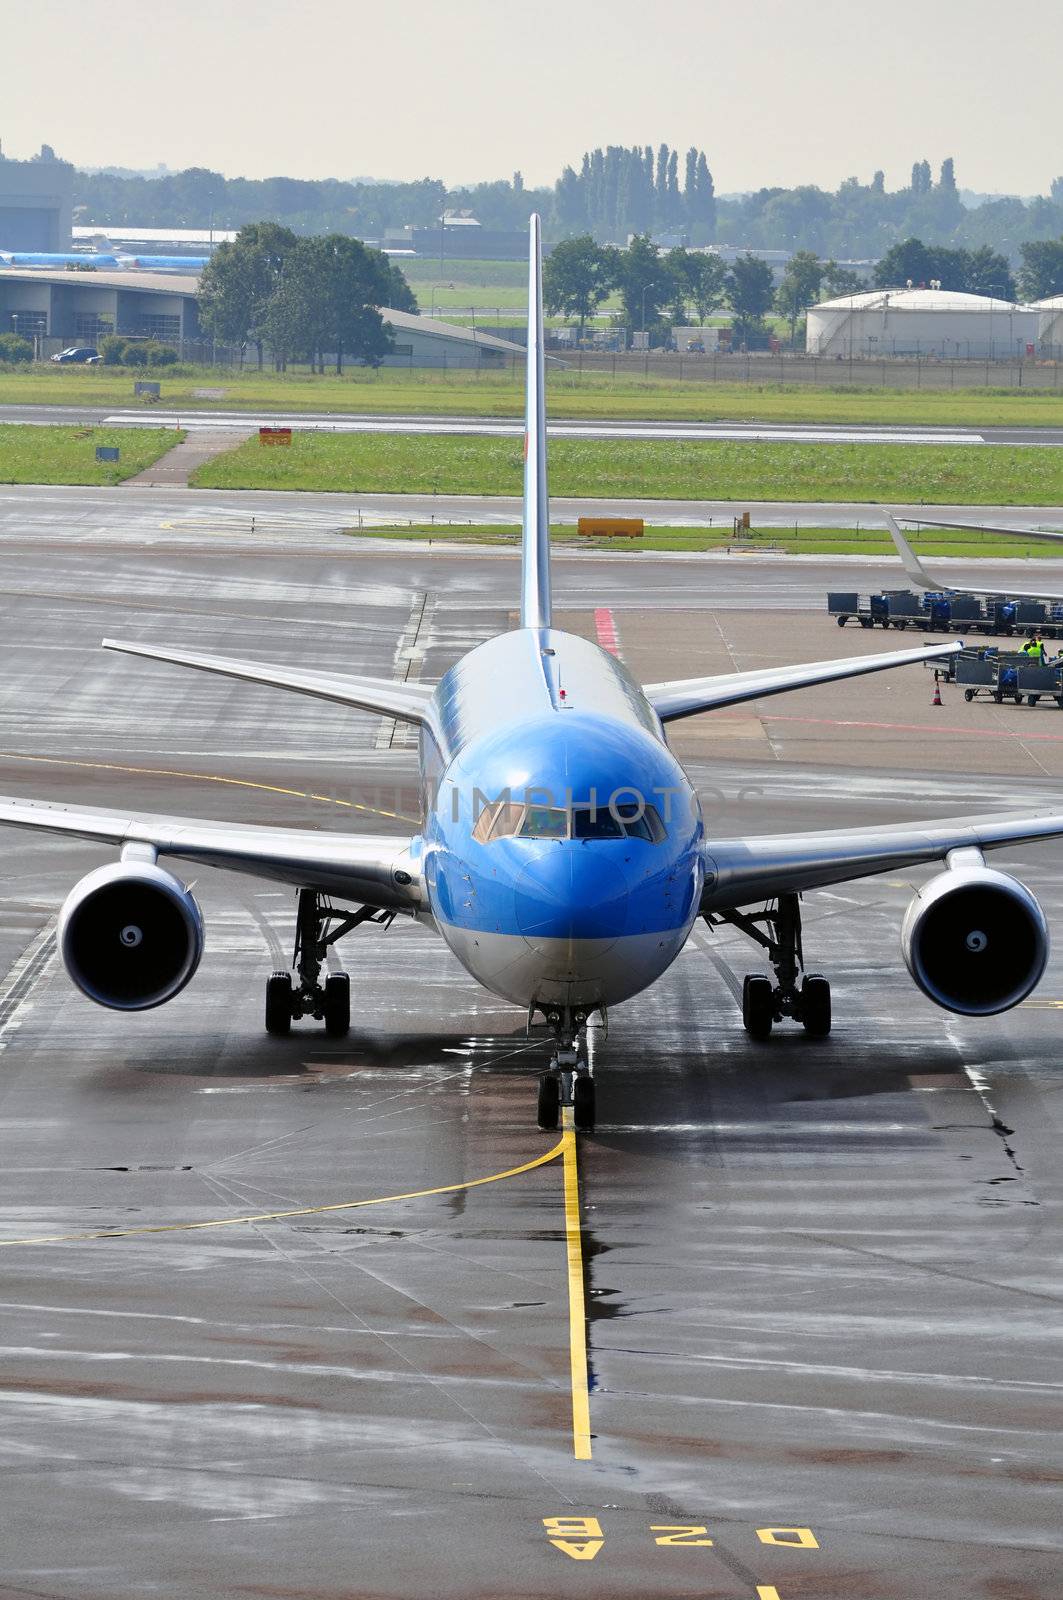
x: 535, y: 547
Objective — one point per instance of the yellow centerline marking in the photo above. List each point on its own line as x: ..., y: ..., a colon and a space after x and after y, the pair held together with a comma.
x: 577, y: 1310
x: 302, y: 1211
x: 205, y: 777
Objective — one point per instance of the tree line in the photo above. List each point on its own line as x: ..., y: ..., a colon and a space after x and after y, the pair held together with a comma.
x: 303, y: 297
x: 611, y: 193
x: 661, y: 289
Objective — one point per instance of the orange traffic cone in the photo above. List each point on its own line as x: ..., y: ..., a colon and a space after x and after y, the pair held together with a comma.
x: 937, y: 701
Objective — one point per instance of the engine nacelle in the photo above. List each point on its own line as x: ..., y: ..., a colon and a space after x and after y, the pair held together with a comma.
x: 130, y: 935
x: 975, y: 940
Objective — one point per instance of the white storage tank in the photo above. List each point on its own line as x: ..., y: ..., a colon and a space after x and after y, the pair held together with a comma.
x: 1050, y: 327
x: 921, y: 322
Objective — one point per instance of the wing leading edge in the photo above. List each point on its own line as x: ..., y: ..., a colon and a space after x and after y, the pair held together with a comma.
x: 377, y: 870
x: 406, y: 701
x: 923, y: 578
x: 739, y: 872
x: 684, y: 697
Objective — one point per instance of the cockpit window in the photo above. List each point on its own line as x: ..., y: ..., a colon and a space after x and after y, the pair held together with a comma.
x: 624, y: 820
x: 498, y: 821
x: 641, y: 822
x: 596, y: 823
x: 544, y: 822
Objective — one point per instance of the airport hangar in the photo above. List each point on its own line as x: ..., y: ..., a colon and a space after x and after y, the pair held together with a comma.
x: 927, y: 322
x: 72, y: 307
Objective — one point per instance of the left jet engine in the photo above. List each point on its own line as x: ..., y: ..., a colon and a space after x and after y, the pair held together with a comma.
x: 130, y: 935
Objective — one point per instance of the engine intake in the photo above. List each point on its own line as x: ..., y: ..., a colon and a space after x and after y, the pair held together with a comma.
x: 130, y: 935
x: 975, y: 940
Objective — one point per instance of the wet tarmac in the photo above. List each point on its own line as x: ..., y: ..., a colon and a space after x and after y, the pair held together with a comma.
x: 823, y: 1280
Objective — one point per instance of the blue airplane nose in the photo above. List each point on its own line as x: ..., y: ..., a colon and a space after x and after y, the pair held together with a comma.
x: 572, y: 890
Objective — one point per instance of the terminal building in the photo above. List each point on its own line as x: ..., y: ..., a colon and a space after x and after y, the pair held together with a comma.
x: 921, y: 322
x: 57, y: 308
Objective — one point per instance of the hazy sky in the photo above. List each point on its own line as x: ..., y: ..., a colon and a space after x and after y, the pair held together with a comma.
x: 775, y: 92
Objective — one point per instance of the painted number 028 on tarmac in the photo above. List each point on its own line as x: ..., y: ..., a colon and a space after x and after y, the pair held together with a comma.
x: 581, y: 1538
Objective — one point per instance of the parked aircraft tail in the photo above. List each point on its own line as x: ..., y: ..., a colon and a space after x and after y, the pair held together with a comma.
x: 535, y: 553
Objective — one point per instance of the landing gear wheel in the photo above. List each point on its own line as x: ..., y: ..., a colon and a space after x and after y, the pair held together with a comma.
x: 758, y: 1006
x: 815, y: 1006
x: 583, y: 1104
x: 337, y: 1005
x: 279, y: 1005
x: 549, y: 1109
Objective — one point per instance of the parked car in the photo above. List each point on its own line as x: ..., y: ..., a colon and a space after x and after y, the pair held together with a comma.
x: 87, y: 354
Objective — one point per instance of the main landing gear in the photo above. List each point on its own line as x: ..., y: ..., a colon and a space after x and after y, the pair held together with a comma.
x: 318, y: 924
x: 805, y: 999
x: 569, y: 1081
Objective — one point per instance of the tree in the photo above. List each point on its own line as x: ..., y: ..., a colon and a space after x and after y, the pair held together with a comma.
x: 239, y: 280
x: 1041, y: 273
x: 799, y: 288
x: 577, y: 276
x: 644, y: 281
x: 840, y: 280
x: 909, y: 260
x: 707, y: 283
x: 750, y: 289
x: 400, y: 296
x: 704, y: 223
x: 328, y: 300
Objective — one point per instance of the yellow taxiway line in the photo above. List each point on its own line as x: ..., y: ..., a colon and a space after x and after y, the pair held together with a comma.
x: 204, y: 777
x: 577, y: 1307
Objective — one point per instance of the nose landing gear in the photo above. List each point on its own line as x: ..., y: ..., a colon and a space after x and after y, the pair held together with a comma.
x: 569, y: 1081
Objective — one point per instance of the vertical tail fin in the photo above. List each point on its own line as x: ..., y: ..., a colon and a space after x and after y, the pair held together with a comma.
x: 535, y: 553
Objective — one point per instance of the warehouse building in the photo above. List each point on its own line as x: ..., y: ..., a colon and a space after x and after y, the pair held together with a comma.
x: 74, y: 307
x: 1050, y: 327
x: 36, y: 203
x: 921, y: 322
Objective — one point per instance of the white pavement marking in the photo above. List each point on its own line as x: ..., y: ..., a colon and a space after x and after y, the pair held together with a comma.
x: 17, y: 988
x: 504, y: 428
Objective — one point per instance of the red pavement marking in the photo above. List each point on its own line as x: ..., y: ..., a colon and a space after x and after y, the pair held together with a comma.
x: 605, y: 629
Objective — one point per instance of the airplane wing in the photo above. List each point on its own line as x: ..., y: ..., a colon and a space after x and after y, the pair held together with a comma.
x: 742, y: 871
x: 924, y: 579
x: 378, y: 870
x: 684, y: 697
x: 406, y: 701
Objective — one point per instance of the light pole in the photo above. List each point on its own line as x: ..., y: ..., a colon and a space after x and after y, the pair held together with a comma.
x: 646, y: 287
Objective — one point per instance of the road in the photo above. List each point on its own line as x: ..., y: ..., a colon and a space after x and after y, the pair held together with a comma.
x: 822, y: 1280
x: 560, y: 428
x: 139, y: 513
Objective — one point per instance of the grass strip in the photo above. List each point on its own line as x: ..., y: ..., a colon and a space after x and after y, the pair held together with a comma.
x: 639, y: 469
x: 760, y: 541
x: 68, y: 455
x: 571, y: 394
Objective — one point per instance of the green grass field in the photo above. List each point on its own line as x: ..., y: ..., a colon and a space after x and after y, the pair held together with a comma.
x: 760, y: 541
x: 648, y: 469
x: 571, y: 394
x: 68, y: 455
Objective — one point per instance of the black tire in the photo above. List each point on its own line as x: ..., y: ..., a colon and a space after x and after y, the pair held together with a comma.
x: 842, y: 621
x: 1032, y: 699
x: 549, y: 1108
x: 865, y: 622
x: 1016, y: 699
x: 337, y: 1005
x: 279, y: 1005
x: 815, y: 1006
x: 968, y: 695
x: 758, y: 1006
x: 583, y: 1104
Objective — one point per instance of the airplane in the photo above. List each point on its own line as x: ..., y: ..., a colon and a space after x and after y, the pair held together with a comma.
x: 923, y: 578
x: 563, y: 855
